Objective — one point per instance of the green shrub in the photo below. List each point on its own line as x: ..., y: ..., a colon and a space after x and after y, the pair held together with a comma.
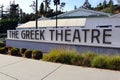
x: 60, y: 56
x: 100, y: 62
x: 45, y: 57
x: 87, y: 58
x: 15, y: 52
x: 23, y: 50
x: 77, y: 60
x: 3, y: 50
x: 2, y: 44
x: 114, y: 63
x: 36, y: 54
x: 6, y: 49
x: 17, y: 49
x: 28, y: 54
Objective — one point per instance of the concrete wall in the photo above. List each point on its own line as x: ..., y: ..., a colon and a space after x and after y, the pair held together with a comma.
x: 46, y: 47
x: 94, y: 22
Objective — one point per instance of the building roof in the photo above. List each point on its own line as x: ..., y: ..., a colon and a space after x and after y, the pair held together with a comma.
x: 43, y: 18
x: 52, y: 23
x: 76, y: 22
x: 83, y: 13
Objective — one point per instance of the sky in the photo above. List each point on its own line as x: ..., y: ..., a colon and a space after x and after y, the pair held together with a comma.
x: 25, y: 4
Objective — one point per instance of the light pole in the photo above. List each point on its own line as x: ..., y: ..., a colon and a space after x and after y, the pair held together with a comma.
x: 36, y: 15
x: 56, y: 15
x: 56, y: 2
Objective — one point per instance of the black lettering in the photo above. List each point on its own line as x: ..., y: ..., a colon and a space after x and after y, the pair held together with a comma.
x: 14, y: 34
x: 85, y: 34
x: 95, y: 35
x: 67, y: 34
x: 106, y: 35
x: 36, y: 34
x: 59, y: 34
x: 76, y: 35
x: 23, y: 34
x: 27, y: 34
x: 10, y: 34
x: 32, y: 34
x: 51, y: 34
x: 42, y: 35
x: 17, y: 35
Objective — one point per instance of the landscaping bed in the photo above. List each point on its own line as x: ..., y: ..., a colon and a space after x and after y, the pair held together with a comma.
x: 67, y: 56
x: 87, y: 59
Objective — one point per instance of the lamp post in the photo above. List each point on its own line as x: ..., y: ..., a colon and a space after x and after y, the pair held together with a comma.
x: 36, y: 15
x: 56, y: 2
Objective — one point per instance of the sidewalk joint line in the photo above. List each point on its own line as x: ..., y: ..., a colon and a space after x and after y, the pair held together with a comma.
x: 9, y: 76
x: 51, y: 72
x: 12, y: 63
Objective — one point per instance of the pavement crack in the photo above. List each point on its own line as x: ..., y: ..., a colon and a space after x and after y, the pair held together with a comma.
x: 9, y: 76
x: 51, y: 72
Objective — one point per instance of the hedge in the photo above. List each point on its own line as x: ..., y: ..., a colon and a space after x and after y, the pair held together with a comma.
x: 36, y: 54
x: 23, y: 50
x: 15, y: 52
x: 28, y: 54
x: 2, y: 44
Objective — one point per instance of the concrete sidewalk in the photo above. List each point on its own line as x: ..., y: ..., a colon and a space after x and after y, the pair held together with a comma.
x: 15, y: 68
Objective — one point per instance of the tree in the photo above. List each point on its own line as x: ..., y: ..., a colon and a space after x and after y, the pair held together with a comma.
x: 50, y: 13
x: 62, y: 5
x: 86, y: 5
x: 33, y: 5
x: 75, y: 7
x: 56, y: 2
x: 7, y: 24
x: 111, y: 6
x: 42, y: 9
x: 14, y: 11
x: 47, y: 3
x: 27, y: 17
x: 21, y: 15
x: 99, y: 7
x: 104, y: 4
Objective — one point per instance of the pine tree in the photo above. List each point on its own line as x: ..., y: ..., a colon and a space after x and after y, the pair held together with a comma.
x: 75, y: 7
x: 47, y: 3
x: 99, y: 7
x: 62, y: 5
x: 111, y: 6
x: 104, y: 4
x: 42, y: 9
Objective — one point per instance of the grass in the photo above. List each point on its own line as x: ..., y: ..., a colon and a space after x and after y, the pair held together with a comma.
x: 60, y: 56
x: 114, y: 62
x: 100, y: 61
x: 85, y: 59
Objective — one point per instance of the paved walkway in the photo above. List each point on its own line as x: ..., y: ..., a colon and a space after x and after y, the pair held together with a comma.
x: 15, y: 68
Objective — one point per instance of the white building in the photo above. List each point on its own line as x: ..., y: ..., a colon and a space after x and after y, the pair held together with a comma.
x: 75, y: 22
x: 79, y: 17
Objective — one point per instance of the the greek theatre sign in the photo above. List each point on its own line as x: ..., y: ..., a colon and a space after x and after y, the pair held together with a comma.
x: 74, y: 35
